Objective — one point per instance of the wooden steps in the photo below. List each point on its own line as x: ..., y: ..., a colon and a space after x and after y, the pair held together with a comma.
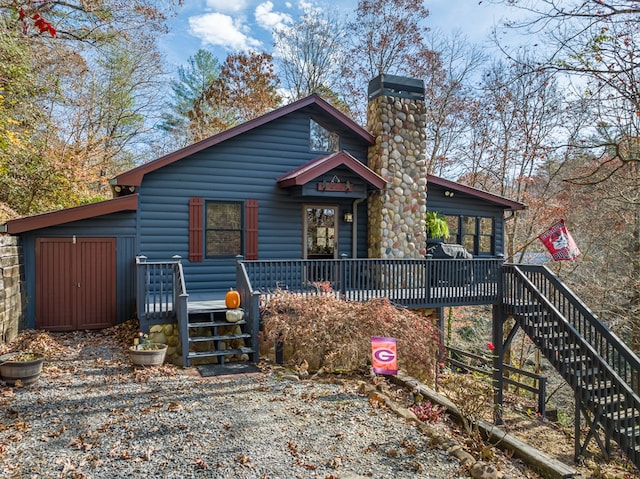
x: 210, y: 335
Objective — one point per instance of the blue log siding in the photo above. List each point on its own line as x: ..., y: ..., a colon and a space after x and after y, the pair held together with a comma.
x: 242, y: 168
x: 121, y: 226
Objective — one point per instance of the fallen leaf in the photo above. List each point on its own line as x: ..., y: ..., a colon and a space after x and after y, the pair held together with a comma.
x: 201, y: 463
x: 293, y: 448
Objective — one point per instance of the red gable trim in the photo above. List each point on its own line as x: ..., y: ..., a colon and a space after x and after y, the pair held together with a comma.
x: 134, y: 177
x: 452, y: 185
x: 54, y: 218
x: 315, y: 168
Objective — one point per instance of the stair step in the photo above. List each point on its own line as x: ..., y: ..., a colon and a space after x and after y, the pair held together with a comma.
x: 574, y: 359
x: 227, y: 352
x: 624, y: 415
x: 632, y: 431
x: 547, y: 325
x: 209, y: 324
x: 580, y: 373
x: 598, y: 387
x: 227, y: 337
x: 610, y: 400
x: 568, y: 350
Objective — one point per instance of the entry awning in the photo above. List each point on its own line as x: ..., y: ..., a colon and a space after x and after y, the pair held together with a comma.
x: 320, y: 167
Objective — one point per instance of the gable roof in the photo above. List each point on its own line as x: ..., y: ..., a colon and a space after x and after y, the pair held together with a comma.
x: 452, y: 185
x: 44, y: 220
x: 319, y: 166
x: 134, y: 177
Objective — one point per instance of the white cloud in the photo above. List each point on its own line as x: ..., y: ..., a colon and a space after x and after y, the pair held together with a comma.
x: 226, y: 5
x: 270, y: 20
x: 221, y: 30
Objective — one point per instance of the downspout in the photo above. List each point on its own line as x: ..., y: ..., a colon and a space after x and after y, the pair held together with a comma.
x: 354, y: 228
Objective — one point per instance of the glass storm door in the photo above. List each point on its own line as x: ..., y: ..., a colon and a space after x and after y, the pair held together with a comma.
x: 320, y: 232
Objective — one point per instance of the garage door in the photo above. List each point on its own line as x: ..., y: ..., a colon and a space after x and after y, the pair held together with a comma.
x: 75, y: 283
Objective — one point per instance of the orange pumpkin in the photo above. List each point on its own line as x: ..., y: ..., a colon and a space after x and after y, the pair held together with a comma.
x: 232, y: 299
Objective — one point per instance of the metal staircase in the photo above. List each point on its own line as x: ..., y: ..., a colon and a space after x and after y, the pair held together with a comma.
x: 603, y: 372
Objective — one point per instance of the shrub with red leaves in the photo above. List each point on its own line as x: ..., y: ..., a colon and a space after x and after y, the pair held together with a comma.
x: 336, y: 335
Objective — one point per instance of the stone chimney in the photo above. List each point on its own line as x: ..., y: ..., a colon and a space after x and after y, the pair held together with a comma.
x: 396, y: 116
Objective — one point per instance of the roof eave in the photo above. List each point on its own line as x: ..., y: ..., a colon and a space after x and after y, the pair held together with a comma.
x: 53, y: 218
x: 501, y: 200
x: 320, y: 166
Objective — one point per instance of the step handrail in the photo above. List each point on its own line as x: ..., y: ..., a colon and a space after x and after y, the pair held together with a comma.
x: 575, y: 334
x: 606, y: 343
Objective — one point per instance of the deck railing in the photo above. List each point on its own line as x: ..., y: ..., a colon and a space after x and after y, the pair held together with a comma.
x: 161, y: 292
x: 408, y: 282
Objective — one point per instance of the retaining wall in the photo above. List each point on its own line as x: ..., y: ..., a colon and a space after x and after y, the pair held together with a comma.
x: 12, y: 289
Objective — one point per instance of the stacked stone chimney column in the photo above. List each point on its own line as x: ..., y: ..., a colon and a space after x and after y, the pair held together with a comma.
x: 397, y: 214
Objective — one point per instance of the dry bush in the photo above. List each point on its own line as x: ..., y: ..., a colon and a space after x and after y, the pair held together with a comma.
x: 336, y: 335
x: 472, y: 393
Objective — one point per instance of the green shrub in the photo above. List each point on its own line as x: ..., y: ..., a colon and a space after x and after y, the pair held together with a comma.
x: 336, y: 335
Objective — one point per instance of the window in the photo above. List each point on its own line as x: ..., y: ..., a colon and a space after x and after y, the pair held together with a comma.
x: 468, y: 237
x: 321, y: 139
x: 475, y: 233
x: 485, y: 236
x: 223, y: 230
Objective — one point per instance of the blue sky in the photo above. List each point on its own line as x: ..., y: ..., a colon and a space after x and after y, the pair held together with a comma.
x: 229, y: 26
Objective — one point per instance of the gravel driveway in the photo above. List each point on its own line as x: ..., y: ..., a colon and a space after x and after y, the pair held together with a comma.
x: 91, y: 415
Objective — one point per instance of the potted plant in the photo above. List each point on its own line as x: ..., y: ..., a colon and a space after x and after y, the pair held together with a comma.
x: 25, y: 367
x: 145, y: 353
x: 437, y: 227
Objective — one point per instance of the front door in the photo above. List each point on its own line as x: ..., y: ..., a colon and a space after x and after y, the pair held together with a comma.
x: 320, y: 227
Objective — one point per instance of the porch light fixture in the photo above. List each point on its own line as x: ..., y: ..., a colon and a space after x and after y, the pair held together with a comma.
x: 348, y: 217
x: 448, y: 194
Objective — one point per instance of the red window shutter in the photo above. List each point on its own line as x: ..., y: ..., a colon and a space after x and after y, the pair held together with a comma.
x: 251, y: 229
x: 195, y: 229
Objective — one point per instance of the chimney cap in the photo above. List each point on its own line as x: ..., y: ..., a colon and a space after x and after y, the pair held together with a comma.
x: 398, y: 86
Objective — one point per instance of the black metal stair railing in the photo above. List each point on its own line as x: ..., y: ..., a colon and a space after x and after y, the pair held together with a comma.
x: 600, y: 368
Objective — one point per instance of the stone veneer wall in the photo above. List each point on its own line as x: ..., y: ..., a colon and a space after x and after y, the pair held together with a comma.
x: 397, y: 215
x: 12, y: 299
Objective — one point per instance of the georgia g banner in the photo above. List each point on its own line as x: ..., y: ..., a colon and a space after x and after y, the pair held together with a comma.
x: 384, y: 355
x: 560, y: 243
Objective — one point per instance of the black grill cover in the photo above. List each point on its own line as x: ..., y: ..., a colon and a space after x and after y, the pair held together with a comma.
x: 449, y: 251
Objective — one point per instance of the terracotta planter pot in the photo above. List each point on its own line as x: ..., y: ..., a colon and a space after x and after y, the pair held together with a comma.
x: 27, y: 372
x: 148, y: 357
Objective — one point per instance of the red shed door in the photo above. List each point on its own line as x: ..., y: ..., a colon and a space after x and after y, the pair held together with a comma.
x: 75, y: 283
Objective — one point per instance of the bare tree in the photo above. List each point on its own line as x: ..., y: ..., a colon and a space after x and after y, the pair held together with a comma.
x: 309, y: 53
x: 595, y: 44
x: 449, y: 98
x: 515, y: 121
x: 386, y: 36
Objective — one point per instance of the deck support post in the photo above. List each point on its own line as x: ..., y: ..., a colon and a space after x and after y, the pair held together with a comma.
x: 498, y: 362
